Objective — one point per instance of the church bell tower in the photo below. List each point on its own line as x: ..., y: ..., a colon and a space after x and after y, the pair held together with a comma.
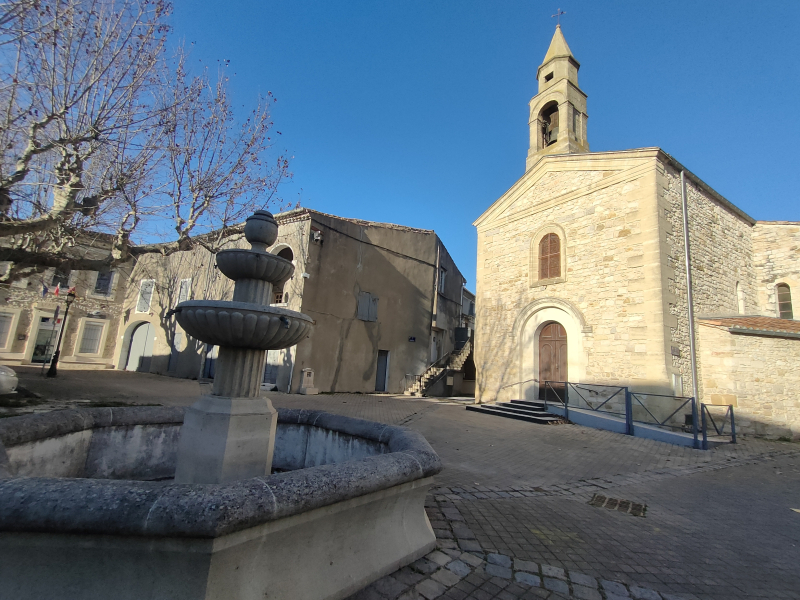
x: 558, y: 111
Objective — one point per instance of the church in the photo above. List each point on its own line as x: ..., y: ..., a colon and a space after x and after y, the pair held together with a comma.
x: 585, y: 275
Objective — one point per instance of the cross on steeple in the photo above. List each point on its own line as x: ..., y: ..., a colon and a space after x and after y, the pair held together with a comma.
x: 557, y: 16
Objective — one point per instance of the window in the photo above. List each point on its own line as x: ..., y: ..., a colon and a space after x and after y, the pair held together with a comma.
x: 367, y: 307
x: 184, y: 290
x: 784, y: 301
x: 90, y: 341
x: 61, y: 278
x: 6, y: 319
x: 102, y: 285
x: 442, y: 279
x: 550, y: 257
x: 548, y: 77
x: 145, y: 295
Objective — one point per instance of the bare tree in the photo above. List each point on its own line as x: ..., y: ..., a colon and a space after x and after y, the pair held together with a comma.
x: 105, y: 139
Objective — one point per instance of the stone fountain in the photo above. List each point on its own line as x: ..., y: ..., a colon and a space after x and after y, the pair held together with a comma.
x: 230, y: 434
x: 229, y: 499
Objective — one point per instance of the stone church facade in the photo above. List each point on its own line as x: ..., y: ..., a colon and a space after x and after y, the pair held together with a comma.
x: 582, y: 275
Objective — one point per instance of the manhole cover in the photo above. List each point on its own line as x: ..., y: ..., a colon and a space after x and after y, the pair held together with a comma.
x: 625, y: 506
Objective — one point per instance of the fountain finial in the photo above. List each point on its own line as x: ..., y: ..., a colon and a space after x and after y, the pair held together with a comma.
x: 261, y: 230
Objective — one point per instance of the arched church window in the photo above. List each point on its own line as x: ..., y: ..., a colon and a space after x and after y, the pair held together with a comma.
x: 784, y: 301
x: 550, y: 256
x: 549, y: 121
x: 279, y: 295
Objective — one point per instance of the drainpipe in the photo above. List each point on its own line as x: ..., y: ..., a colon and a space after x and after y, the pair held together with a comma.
x: 689, y: 296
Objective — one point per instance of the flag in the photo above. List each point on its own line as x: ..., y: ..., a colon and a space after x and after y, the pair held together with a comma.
x: 45, y: 289
x: 71, y: 290
x: 58, y: 287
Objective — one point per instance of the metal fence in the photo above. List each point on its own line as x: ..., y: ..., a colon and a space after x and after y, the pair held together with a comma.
x: 717, y: 425
x: 659, y: 410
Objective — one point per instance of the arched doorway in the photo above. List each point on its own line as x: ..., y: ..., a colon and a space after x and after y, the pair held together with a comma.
x: 553, y: 360
x: 280, y: 295
x: 140, y: 350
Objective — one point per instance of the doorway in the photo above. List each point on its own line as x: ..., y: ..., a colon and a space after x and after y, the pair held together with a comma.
x: 383, y: 370
x: 45, y: 340
x: 552, y: 361
x: 141, y: 349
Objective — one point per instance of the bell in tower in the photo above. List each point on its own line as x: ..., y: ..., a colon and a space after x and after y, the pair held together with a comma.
x: 558, y: 111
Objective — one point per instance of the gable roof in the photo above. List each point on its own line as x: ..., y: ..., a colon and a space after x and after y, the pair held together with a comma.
x: 548, y: 162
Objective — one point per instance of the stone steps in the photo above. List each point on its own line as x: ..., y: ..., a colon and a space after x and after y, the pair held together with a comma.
x: 522, y: 410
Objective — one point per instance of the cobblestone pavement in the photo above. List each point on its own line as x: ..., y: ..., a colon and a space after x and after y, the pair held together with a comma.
x: 512, y: 516
x: 511, y: 507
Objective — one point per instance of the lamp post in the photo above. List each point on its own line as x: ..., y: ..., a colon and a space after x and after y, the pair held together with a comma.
x: 53, y: 370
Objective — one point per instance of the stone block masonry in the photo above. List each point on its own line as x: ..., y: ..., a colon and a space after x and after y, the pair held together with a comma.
x: 756, y: 374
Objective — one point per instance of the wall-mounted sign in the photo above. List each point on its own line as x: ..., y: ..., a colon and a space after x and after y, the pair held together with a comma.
x: 412, y: 339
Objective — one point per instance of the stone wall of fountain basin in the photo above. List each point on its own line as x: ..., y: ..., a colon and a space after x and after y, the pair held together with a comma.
x: 87, y: 509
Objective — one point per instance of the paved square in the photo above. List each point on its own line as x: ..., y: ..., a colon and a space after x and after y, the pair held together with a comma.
x: 511, y: 508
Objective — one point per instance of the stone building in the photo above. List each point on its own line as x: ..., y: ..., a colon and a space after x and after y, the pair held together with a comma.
x: 582, y: 275
x: 386, y: 299
x: 29, y: 326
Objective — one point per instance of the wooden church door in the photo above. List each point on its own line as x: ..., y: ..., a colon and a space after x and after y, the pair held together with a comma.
x: 552, y: 360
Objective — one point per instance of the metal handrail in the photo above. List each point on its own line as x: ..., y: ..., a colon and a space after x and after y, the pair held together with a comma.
x: 720, y: 431
x: 663, y: 423
x: 629, y: 398
x: 443, y: 362
x: 502, y: 387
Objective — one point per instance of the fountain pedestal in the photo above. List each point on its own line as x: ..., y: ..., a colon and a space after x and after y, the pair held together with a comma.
x: 230, y: 434
x: 226, y: 439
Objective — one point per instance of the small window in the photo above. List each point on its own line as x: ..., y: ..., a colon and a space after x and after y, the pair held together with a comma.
x: 145, y: 295
x: 548, y: 77
x: 102, y: 285
x: 61, y: 278
x: 550, y: 257
x: 6, y: 319
x: 367, y: 307
x: 442, y: 279
x: 90, y: 342
x: 184, y: 290
x: 784, y: 301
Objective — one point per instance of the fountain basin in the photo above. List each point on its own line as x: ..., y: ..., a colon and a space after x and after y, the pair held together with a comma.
x: 242, y: 324
x: 246, y: 264
x: 348, y: 510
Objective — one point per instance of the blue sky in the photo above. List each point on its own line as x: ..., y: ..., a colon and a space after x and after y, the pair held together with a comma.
x: 415, y: 112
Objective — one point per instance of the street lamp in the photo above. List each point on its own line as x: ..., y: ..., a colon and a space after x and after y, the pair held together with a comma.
x: 53, y: 370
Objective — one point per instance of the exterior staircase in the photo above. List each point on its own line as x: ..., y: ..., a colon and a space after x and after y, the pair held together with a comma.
x: 522, y: 410
x: 449, y: 363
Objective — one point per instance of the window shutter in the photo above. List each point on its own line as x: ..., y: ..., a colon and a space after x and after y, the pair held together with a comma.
x: 363, y: 305
x: 184, y: 289
x: 373, y: 308
x: 90, y: 342
x: 145, y: 296
x: 102, y: 284
x: 550, y: 257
